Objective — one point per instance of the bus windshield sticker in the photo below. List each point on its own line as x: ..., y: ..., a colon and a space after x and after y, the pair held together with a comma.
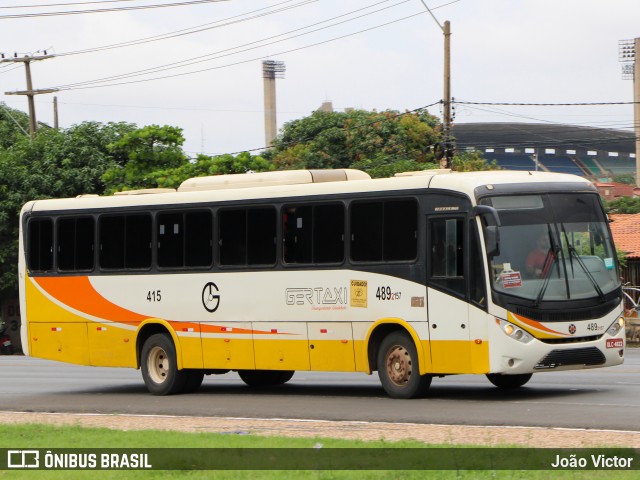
x: 511, y: 279
x: 609, y: 264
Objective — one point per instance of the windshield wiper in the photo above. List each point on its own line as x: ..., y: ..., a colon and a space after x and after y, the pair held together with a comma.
x: 574, y: 254
x: 546, y: 274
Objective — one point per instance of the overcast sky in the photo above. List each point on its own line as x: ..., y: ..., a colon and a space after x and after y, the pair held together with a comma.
x: 370, y: 54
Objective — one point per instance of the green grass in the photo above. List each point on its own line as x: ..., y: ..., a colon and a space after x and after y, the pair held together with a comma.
x: 52, y: 437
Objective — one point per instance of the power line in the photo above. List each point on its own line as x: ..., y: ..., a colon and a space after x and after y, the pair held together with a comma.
x: 544, y: 104
x: 107, y: 10
x: 81, y: 85
x: 192, y: 30
x: 46, y: 5
x: 205, y: 58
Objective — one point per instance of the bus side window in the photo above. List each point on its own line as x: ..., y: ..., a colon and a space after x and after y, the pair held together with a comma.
x: 233, y: 237
x: 138, y: 241
x: 198, y: 239
x: 75, y: 243
x: 384, y: 231
x: 313, y: 234
x: 328, y: 233
x: 261, y: 236
x: 111, y: 231
x: 297, y: 231
x: 170, y: 240
x: 40, y: 246
x: 400, y: 230
x: 366, y: 231
x: 125, y: 241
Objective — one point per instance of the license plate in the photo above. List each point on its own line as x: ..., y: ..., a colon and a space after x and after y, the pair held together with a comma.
x: 615, y: 343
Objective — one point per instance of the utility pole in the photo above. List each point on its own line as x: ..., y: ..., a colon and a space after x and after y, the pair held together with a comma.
x: 29, y: 92
x: 448, y: 150
x: 628, y: 54
x: 447, y: 139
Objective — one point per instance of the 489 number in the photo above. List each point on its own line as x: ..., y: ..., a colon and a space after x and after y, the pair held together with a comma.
x: 385, y: 293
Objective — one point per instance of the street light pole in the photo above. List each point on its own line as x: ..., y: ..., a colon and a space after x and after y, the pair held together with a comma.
x: 628, y: 53
x: 636, y: 107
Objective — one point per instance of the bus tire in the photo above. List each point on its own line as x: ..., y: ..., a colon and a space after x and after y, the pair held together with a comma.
x: 509, y: 381
x: 160, y: 367
x: 194, y: 380
x: 398, y: 367
x: 265, y: 378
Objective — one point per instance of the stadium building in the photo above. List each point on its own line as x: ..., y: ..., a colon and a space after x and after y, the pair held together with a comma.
x: 598, y: 154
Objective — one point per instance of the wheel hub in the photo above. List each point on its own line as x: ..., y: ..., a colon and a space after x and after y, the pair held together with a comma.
x: 158, y: 364
x: 399, y: 365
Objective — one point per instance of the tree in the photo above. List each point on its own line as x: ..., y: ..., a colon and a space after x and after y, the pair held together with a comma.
x: 147, y: 150
x: 472, y: 161
x: 54, y: 164
x: 627, y: 178
x: 623, y: 205
x: 204, y: 165
x: 358, y: 137
x: 382, y: 167
x: 14, y: 125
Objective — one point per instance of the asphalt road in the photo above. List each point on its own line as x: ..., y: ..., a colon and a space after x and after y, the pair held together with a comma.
x: 600, y: 399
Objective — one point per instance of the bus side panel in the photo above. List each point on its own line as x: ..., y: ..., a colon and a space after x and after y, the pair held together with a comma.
x: 478, y: 322
x: 331, y: 346
x: 360, y: 348
x: 190, y: 349
x: 111, y: 346
x: 281, y: 346
x: 230, y: 349
x: 65, y: 342
x: 54, y: 333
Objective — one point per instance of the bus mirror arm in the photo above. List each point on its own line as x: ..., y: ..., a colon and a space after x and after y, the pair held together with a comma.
x: 486, y: 210
x: 491, y: 232
x: 492, y: 240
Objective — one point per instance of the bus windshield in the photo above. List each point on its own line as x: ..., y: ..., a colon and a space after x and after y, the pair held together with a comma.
x: 553, y: 247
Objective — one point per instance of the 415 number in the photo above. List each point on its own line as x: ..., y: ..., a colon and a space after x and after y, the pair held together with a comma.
x: 154, y: 296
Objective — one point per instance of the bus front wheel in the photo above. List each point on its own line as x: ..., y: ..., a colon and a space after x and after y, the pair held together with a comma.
x: 509, y: 381
x: 398, y: 367
x: 160, y: 367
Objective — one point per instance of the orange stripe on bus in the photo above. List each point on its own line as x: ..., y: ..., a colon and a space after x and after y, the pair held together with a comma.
x: 537, y: 325
x: 79, y: 294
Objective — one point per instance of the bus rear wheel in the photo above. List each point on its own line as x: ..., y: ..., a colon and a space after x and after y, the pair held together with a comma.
x: 398, y: 367
x: 509, y: 381
x: 160, y: 367
x: 265, y: 378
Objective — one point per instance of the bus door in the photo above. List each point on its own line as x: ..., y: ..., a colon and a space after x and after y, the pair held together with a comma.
x: 455, y: 295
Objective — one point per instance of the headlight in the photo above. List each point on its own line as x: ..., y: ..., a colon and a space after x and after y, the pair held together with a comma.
x: 616, y: 327
x: 513, y: 331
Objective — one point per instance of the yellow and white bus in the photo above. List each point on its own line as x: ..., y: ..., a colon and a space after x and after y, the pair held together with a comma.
x: 421, y: 275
